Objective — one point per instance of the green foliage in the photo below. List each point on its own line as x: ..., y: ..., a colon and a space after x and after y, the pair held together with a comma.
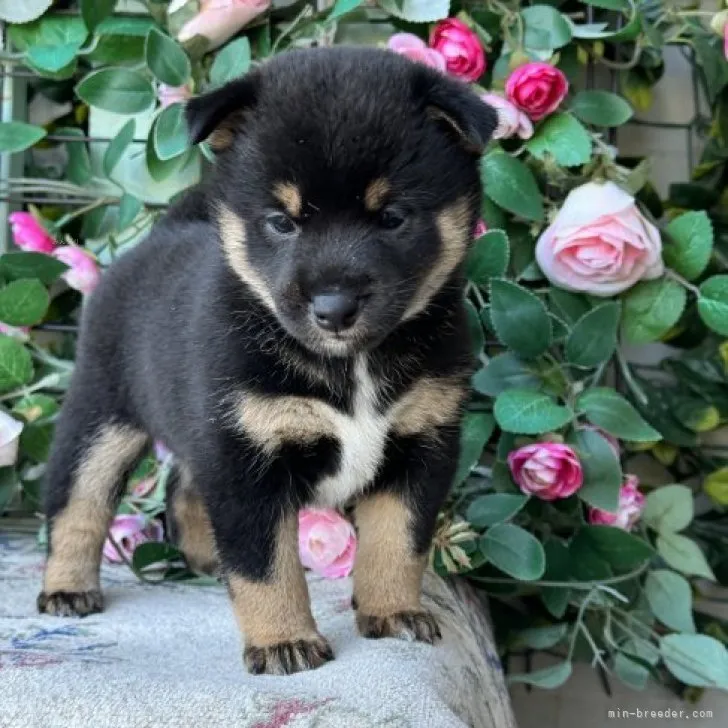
x: 692, y: 238
x: 15, y: 136
x: 514, y: 551
x: 526, y: 412
x: 593, y: 338
x: 601, y: 108
x: 607, y: 409
x: 651, y: 309
x: 511, y: 185
x: 562, y: 138
x: 602, y: 472
x: 116, y: 89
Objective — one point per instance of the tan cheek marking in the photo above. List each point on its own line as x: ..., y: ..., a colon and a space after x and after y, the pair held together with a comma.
x: 289, y: 196
x: 272, y: 420
x: 277, y: 609
x: 430, y: 403
x: 376, y: 193
x: 79, y: 530
x: 453, y: 224
x: 232, y: 234
x: 387, y: 571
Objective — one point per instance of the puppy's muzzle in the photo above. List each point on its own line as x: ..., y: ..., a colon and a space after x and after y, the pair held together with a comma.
x: 336, y: 311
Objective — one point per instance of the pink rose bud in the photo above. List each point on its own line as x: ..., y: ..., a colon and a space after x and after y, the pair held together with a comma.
x: 129, y: 530
x: 629, y: 510
x: 22, y: 333
x: 547, y: 470
x: 407, y: 44
x: 537, y: 88
x: 480, y: 229
x: 464, y: 56
x: 326, y: 542
x: 29, y: 235
x: 169, y: 95
x: 220, y: 20
x: 511, y: 120
x: 83, y: 274
x: 600, y: 243
x: 10, y: 430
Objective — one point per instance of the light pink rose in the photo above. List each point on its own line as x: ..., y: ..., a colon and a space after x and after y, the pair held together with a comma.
x: 480, y: 229
x: 547, y: 470
x: 511, y: 120
x: 537, y: 88
x: 10, y: 430
x: 22, y: 333
x: 599, y: 243
x: 613, y: 442
x: 629, y: 510
x: 83, y: 274
x: 129, y: 530
x: 326, y: 542
x: 464, y: 55
x: 220, y: 20
x: 169, y: 95
x: 407, y: 44
x: 29, y: 235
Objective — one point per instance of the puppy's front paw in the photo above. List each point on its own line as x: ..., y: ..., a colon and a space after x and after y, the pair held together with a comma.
x: 419, y: 626
x: 70, y: 604
x: 286, y: 658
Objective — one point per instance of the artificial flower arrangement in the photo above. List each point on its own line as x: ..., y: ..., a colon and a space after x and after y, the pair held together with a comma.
x: 576, y: 262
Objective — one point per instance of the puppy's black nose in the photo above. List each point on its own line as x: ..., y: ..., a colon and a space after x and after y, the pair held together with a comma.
x: 335, y: 311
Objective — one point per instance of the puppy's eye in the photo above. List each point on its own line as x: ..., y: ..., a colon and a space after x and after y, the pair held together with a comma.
x: 280, y: 223
x: 391, y: 219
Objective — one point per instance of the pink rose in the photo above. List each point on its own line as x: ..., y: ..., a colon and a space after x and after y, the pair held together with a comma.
x: 129, y: 530
x: 613, y: 442
x: 220, y: 20
x: 407, y: 44
x: 29, y: 234
x: 326, y: 542
x: 511, y: 120
x: 10, y: 430
x: 169, y: 95
x: 83, y: 274
x: 599, y: 243
x: 547, y: 470
x: 725, y: 41
x: 629, y: 510
x: 22, y: 333
x: 537, y: 88
x: 480, y: 229
x: 461, y: 48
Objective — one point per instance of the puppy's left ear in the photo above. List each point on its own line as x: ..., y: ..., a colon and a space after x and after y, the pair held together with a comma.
x: 461, y: 112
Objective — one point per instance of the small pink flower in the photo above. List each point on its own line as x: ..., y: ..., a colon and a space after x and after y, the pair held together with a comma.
x: 220, y: 20
x: 629, y: 510
x: 145, y: 487
x: 537, y: 88
x: 613, y: 442
x: 129, y: 530
x: 161, y: 451
x: 511, y: 120
x: 407, y: 44
x: 464, y: 55
x: 480, y: 229
x: 547, y: 470
x: 83, y: 274
x: 326, y: 542
x: 169, y: 95
x: 725, y: 41
x: 10, y: 430
x: 29, y: 235
x: 22, y: 333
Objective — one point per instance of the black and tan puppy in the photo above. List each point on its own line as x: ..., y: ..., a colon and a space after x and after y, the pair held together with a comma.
x: 294, y: 330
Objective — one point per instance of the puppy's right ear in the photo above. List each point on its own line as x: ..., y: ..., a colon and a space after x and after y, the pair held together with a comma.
x: 219, y: 114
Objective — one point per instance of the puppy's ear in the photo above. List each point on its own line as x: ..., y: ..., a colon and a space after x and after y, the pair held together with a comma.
x: 219, y: 114
x: 460, y: 111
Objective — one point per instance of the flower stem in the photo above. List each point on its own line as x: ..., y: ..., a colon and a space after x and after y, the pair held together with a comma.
x: 669, y: 273
x: 630, y: 380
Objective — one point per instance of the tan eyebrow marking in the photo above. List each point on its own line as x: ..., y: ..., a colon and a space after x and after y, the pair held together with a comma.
x: 376, y: 193
x: 289, y: 196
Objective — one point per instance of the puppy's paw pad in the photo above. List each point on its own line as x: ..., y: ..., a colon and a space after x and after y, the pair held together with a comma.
x: 70, y: 604
x: 413, y: 626
x: 286, y: 658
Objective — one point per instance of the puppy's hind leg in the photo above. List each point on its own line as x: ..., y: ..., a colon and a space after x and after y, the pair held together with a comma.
x: 84, y: 485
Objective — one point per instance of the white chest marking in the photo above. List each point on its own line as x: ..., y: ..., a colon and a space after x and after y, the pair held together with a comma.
x: 362, y: 437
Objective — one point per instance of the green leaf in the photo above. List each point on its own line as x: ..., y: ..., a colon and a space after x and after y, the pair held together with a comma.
x: 713, y: 303
x: 651, y: 308
x: 669, y: 508
x: 94, y: 11
x: 14, y: 11
x: 564, y: 139
x: 632, y: 664
x: 710, y: 55
x: 692, y: 238
x: 342, y: 7
x: 594, y: 336
x: 548, y: 678
x: 511, y: 185
x: 568, y: 306
x: 683, y: 554
x: 621, y: 550
x: 35, y: 407
x: 31, y: 265
x: 129, y: 208
x: 53, y: 42
x: 417, y: 11
x: 504, y: 371
x: 488, y: 258
x: 161, y: 170
x: 23, y: 302
x: 117, y: 147
x: 696, y: 659
x: 154, y: 552
x: 514, y: 551
x: 606, y: 408
x: 15, y: 136
x: 116, y: 89
x: 602, y: 471
x: 231, y: 62
x: 475, y: 432
x: 166, y: 59
x: 477, y: 335
x: 35, y: 441
x: 671, y: 599
x: 16, y: 366
x: 520, y: 318
x: 526, y: 412
x: 487, y: 510
x: 546, y: 28
x: 170, y: 132
x: 78, y: 169
x: 542, y: 638
x: 601, y: 108
x: 129, y: 25
x: 558, y: 563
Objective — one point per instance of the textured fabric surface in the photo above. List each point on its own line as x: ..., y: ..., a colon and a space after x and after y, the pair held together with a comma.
x: 170, y: 655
